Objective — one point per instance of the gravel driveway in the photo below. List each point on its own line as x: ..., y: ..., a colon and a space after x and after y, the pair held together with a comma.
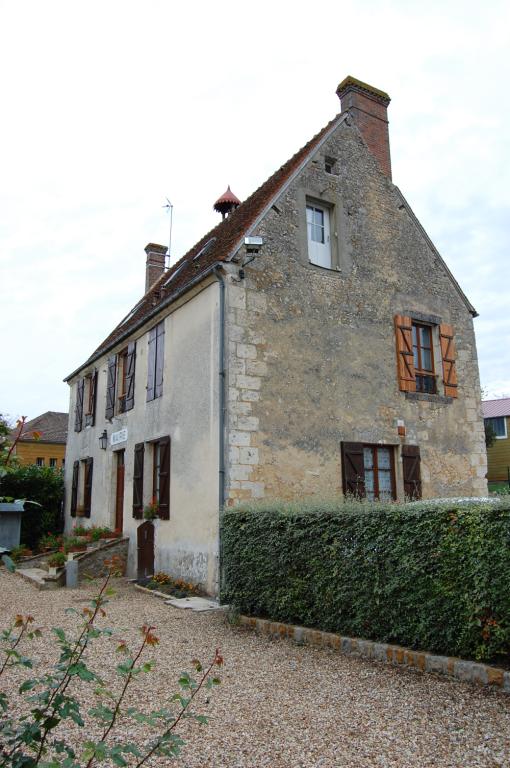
x: 286, y: 706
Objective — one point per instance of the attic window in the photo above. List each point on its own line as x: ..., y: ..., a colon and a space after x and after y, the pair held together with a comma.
x: 331, y: 165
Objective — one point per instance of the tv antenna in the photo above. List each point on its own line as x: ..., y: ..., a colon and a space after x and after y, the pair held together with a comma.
x: 168, y: 205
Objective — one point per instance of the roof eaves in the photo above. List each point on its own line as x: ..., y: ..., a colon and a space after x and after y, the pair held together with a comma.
x: 155, y: 311
x: 417, y: 223
x: 285, y: 185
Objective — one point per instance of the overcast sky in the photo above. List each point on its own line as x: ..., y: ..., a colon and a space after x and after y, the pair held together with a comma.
x: 109, y: 107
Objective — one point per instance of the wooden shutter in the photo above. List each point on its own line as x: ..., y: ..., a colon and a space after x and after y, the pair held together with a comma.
x: 405, y: 356
x: 130, y: 376
x: 411, y: 471
x: 78, y: 412
x: 160, y: 359
x: 449, y: 356
x: 74, y: 488
x: 353, y: 470
x: 87, y: 495
x: 151, y: 365
x: 110, y: 387
x: 164, y: 478
x: 92, y: 398
x: 138, y: 482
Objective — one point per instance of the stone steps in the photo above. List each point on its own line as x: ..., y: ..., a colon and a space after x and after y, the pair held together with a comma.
x: 39, y: 578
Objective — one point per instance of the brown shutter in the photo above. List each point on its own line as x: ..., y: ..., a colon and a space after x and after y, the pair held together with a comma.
x: 160, y: 359
x: 138, y: 482
x: 74, y: 488
x: 353, y: 470
x: 151, y: 364
x: 411, y: 471
x: 130, y: 376
x: 449, y: 356
x: 110, y: 387
x: 78, y: 412
x: 405, y: 357
x: 164, y: 478
x: 93, y: 396
x: 87, y: 495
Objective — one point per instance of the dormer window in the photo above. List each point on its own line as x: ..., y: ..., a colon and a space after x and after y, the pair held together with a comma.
x: 318, y: 229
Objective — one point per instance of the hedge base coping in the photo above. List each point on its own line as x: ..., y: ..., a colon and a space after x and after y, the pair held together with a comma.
x: 460, y: 669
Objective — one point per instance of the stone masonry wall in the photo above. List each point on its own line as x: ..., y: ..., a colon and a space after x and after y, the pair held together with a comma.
x: 312, y: 359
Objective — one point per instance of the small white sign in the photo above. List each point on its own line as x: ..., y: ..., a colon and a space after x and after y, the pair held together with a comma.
x: 119, y: 437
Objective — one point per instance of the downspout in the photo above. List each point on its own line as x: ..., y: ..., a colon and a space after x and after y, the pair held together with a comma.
x: 222, y: 383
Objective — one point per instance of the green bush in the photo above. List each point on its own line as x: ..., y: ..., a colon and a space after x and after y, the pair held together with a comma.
x: 429, y: 575
x: 42, y: 485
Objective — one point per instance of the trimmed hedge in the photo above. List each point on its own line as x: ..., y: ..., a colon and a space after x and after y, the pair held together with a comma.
x: 428, y: 575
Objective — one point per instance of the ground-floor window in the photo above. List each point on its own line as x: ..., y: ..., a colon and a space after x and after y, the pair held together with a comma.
x: 379, y: 469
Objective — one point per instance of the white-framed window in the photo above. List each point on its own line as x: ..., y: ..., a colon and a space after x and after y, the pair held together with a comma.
x: 318, y: 233
x: 498, y: 424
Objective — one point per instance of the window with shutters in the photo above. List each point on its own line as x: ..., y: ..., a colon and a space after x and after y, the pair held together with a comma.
x: 419, y: 346
x: 161, y: 476
x: 39, y: 462
x: 368, y: 471
x: 156, y: 361
x: 120, y: 383
x: 89, y: 398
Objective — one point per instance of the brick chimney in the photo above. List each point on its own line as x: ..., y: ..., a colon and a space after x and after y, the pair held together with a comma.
x: 369, y: 109
x: 155, y: 265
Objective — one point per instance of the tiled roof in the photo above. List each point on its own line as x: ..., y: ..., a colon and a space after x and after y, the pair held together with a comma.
x: 494, y: 408
x: 51, y: 425
x: 216, y: 246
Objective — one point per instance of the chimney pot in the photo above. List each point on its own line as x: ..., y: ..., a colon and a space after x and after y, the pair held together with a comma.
x: 155, y: 264
x: 369, y: 109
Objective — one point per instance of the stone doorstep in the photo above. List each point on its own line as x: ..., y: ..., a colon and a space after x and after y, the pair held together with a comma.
x: 459, y: 669
x: 199, y: 604
x: 40, y: 578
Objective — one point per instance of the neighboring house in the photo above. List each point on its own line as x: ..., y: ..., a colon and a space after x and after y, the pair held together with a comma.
x: 314, y: 342
x: 497, y: 414
x: 43, y: 440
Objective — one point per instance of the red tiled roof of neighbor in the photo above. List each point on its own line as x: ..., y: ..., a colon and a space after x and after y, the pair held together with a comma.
x: 51, y: 425
x: 222, y: 239
x: 494, y: 408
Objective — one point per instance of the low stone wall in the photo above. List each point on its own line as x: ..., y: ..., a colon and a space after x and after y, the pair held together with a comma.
x: 467, y: 671
x: 94, y: 563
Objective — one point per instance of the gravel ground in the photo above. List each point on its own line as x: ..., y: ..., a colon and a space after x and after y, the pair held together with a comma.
x: 283, y: 705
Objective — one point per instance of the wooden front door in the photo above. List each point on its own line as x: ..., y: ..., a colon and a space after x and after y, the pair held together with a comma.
x: 145, y: 543
x: 119, y: 494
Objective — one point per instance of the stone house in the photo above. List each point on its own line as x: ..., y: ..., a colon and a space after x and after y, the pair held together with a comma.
x: 314, y: 342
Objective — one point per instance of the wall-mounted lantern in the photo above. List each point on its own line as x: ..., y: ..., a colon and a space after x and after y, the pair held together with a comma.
x: 103, y: 440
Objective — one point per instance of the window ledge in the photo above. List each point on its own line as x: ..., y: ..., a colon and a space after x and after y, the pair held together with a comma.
x: 429, y: 398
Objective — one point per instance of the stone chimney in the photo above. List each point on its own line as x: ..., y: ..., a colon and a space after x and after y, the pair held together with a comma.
x: 155, y: 265
x: 369, y: 109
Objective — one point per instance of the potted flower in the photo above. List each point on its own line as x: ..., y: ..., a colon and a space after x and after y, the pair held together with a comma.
x: 56, y: 561
x: 74, y: 544
x: 151, y: 511
x: 49, y: 542
x: 107, y: 533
